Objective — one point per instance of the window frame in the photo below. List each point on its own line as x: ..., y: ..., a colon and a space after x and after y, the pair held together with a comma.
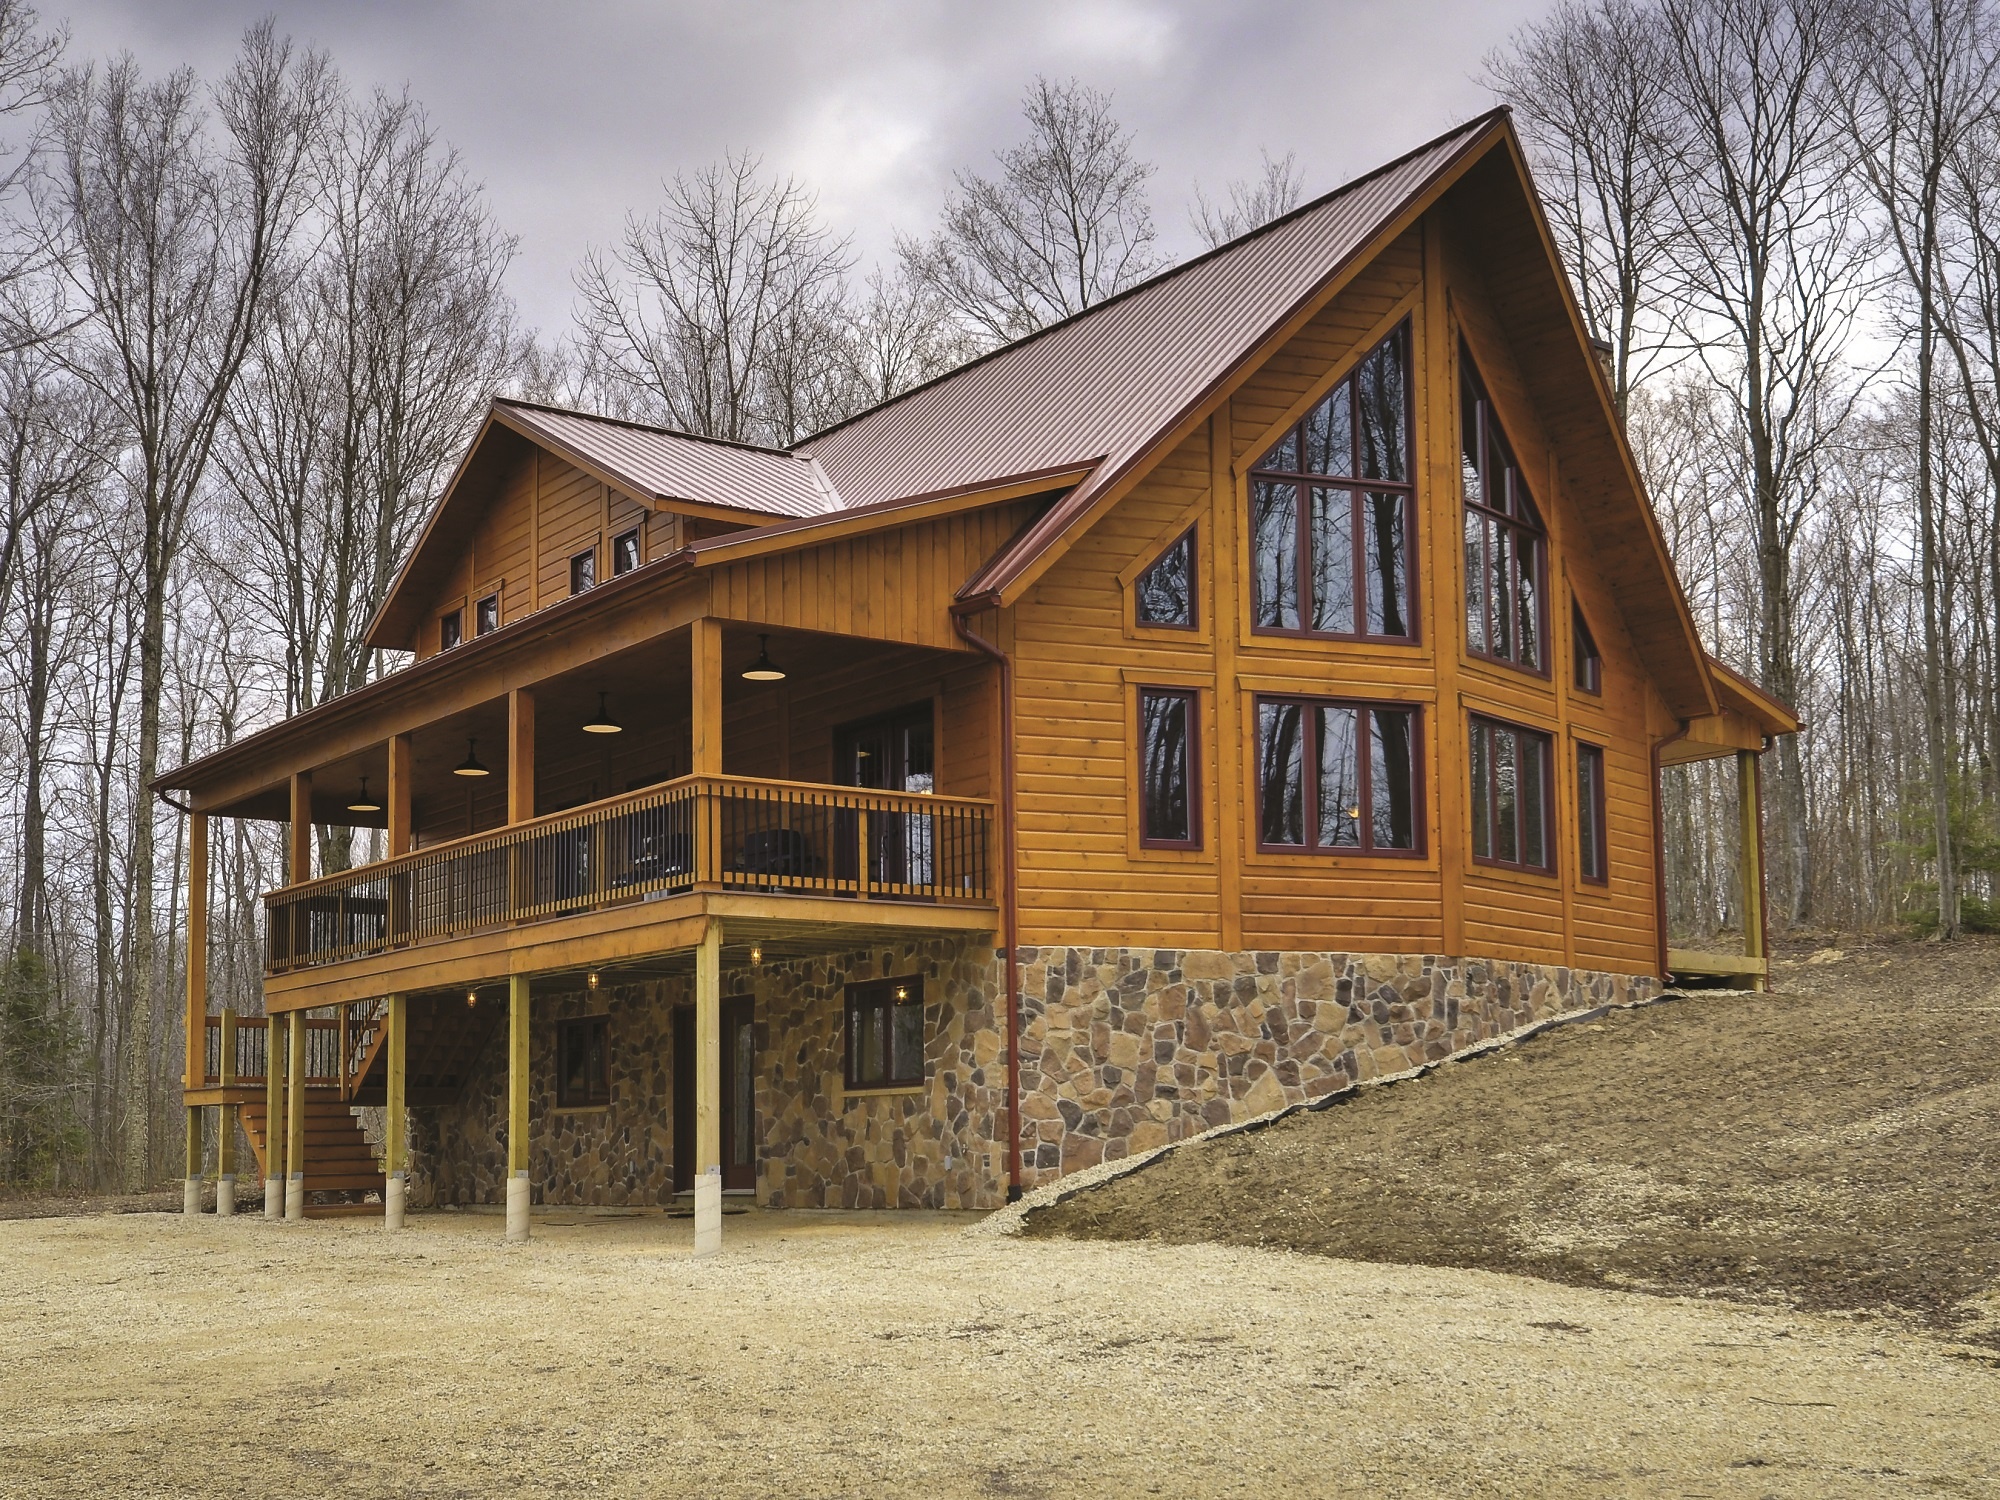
x: 1192, y: 698
x: 454, y: 620
x: 1551, y: 826
x: 1530, y: 525
x: 479, y: 625
x: 568, y: 1030
x: 586, y: 559
x: 881, y: 994
x: 1419, y: 800
x: 1586, y: 661
x: 1593, y: 837
x: 1190, y: 539
x: 636, y: 536
x: 1357, y: 490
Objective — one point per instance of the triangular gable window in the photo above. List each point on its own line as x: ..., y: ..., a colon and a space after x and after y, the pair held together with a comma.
x: 1165, y: 592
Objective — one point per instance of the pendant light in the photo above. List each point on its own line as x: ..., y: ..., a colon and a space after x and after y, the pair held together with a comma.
x: 763, y: 669
x: 471, y: 998
x: 364, y: 803
x: 603, y: 723
x: 470, y: 766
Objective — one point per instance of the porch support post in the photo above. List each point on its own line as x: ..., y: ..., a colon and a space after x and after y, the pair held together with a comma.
x: 395, y: 1141
x: 301, y: 839
x: 1750, y: 862
x: 517, y: 1110
x: 521, y: 755
x: 197, y: 999
x: 274, y: 1120
x: 708, y: 1091
x: 399, y: 795
x: 706, y: 707
x: 225, y: 1115
x: 295, y: 1118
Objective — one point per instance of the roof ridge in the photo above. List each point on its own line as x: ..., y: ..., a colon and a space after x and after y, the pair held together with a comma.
x: 1477, y: 122
x: 636, y: 426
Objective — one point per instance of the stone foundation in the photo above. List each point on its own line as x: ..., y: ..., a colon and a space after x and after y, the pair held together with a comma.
x: 1124, y: 1050
x: 939, y: 1146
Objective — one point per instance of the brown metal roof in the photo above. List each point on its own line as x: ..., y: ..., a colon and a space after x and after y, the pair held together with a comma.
x: 1110, y: 381
x: 661, y: 464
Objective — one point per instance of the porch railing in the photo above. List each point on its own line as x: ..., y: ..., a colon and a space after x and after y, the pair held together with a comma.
x: 701, y: 832
x: 337, y: 1047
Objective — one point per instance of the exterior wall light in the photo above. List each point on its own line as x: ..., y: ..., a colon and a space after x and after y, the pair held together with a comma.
x: 756, y: 953
x: 470, y: 766
x: 471, y: 998
x: 603, y: 723
x: 591, y: 979
x: 763, y: 669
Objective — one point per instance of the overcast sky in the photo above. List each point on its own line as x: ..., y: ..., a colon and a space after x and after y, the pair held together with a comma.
x: 571, y: 114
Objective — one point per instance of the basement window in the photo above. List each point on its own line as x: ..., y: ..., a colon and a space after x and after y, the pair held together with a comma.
x: 885, y: 1033
x: 583, y: 1064
x: 625, y: 551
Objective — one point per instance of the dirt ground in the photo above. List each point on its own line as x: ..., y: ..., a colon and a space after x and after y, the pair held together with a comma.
x: 852, y: 1355
x: 1833, y: 1146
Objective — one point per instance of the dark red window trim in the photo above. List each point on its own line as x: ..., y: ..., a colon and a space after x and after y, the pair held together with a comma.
x: 1192, y: 541
x: 1357, y: 490
x: 1588, y: 669
x: 479, y: 625
x: 1193, y: 749
x: 1419, y: 832
x: 1593, y: 837
x: 451, y: 629
x: 1491, y: 794
x: 888, y: 996
x: 1527, y: 524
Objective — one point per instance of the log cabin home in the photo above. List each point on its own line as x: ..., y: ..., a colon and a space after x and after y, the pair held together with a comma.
x: 1257, y: 683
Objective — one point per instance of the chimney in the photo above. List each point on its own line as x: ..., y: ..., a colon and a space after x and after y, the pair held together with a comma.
x: 1607, y: 360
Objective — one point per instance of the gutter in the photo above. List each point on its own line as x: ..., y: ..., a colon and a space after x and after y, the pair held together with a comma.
x: 1660, y: 848
x: 1010, y: 907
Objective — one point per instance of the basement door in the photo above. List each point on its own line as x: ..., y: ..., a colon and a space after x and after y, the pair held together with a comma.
x: 739, y: 1097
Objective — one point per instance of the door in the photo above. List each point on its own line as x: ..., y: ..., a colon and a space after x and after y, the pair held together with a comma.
x: 739, y: 1097
x: 896, y: 752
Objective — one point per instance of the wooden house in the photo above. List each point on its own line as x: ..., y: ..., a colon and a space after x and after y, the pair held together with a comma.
x: 1256, y: 683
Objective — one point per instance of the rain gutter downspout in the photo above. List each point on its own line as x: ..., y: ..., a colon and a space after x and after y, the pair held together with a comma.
x: 1009, y: 908
x: 1660, y: 846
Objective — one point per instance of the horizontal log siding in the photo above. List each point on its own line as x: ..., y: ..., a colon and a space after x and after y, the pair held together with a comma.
x: 572, y: 520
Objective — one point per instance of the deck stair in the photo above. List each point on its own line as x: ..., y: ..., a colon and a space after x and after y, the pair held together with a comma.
x: 445, y: 1039
x: 340, y: 1164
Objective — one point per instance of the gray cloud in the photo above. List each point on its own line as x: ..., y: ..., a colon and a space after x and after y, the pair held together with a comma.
x: 573, y: 113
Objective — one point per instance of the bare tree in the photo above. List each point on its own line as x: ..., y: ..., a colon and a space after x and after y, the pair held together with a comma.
x: 1063, y: 226
x: 711, y: 316
x: 1252, y: 202
x: 901, y: 336
x: 170, y: 241
x: 1587, y: 86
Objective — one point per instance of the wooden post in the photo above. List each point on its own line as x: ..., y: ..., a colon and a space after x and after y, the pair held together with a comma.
x: 705, y: 708
x: 517, y: 1109
x: 1750, y: 862
x: 225, y: 1116
x: 399, y: 795
x: 197, y: 1000
x: 521, y: 755
x: 708, y: 1091
x: 1226, y: 721
x: 274, y: 1120
x: 295, y: 1118
x: 191, y: 1186
x: 395, y: 1142
x: 302, y: 828
x: 1444, y: 606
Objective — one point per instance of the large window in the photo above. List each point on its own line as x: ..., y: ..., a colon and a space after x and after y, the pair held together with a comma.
x: 1592, y: 854
x: 1506, y: 616
x: 583, y: 1064
x: 1165, y: 594
x: 885, y: 1033
x: 1169, y: 812
x: 1512, y: 815
x: 1332, y: 513
x: 1337, y: 776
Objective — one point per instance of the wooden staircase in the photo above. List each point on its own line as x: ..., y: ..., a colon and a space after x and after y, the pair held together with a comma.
x: 445, y: 1037
x: 339, y: 1161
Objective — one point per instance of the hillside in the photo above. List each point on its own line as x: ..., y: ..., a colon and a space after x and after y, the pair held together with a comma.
x: 1831, y: 1146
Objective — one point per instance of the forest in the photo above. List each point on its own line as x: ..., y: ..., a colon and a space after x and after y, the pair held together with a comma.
x: 247, y: 323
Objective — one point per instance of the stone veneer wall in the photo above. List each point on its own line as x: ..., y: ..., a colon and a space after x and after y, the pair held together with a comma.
x: 941, y: 1146
x: 1123, y: 1050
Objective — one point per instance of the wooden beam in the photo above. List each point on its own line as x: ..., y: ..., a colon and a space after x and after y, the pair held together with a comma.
x: 517, y: 1108
x: 521, y: 755
x: 302, y: 828
x: 399, y: 795
x: 1439, y: 566
x: 708, y: 1092
x: 197, y: 954
x: 1750, y: 811
x: 705, y: 729
x: 295, y: 1119
x: 395, y: 1139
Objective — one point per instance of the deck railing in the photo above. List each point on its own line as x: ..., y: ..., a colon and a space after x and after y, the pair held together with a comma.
x: 701, y: 832
x: 337, y: 1047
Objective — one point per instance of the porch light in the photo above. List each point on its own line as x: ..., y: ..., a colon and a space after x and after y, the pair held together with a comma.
x: 591, y: 979
x: 471, y: 998
x: 603, y: 723
x: 756, y: 953
x: 364, y: 803
x: 763, y: 669
x: 902, y: 992
x: 470, y: 766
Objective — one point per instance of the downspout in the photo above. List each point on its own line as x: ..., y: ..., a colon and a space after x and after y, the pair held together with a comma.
x: 1660, y: 848
x: 1009, y: 908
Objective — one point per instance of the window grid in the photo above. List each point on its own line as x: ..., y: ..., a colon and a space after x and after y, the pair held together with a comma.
x: 885, y: 1033
x: 1291, y: 752
x: 1513, y: 810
